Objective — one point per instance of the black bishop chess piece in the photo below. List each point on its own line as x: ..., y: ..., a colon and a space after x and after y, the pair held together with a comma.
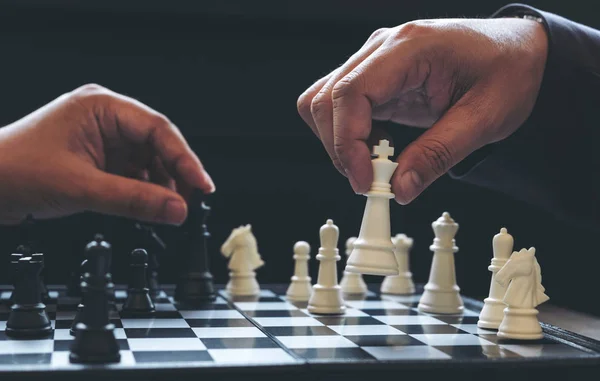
x: 28, y: 317
x: 195, y: 285
x: 95, y: 340
x: 138, y: 303
x: 153, y: 245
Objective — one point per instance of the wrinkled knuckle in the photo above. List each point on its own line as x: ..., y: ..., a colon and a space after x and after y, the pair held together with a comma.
x: 438, y: 155
x: 158, y: 120
x: 378, y: 33
x: 319, y: 104
x: 91, y: 92
x: 346, y: 86
x: 304, y: 103
x: 412, y: 29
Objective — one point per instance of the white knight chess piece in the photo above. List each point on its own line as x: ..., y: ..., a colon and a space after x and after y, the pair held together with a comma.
x: 373, y: 249
x: 442, y: 294
x: 401, y: 284
x: 242, y: 250
x: 522, y: 277
x: 300, y: 288
x: 352, y: 283
x: 492, y: 312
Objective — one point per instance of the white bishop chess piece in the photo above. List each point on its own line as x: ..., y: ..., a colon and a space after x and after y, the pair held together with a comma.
x: 242, y: 250
x: 373, y: 249
x: 300, y: 288
x: 522, y: 277
x: 442, y: 294
x: 493, y: 309
x: 326, y: 298
x: 401, y: 284
x: 352, y: 283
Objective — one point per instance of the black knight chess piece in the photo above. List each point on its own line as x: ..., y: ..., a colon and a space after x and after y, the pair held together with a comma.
x: 195, y: 285
x: 95, y: 340
x: 139, y: 302
x: 28, y: 317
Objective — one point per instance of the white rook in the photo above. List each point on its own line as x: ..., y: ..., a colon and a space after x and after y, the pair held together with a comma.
x: 493, y: 309
x: 373, y: 250
x: 442, y: 294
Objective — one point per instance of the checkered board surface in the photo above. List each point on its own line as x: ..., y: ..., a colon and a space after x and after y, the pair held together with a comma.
x: 268, y: 331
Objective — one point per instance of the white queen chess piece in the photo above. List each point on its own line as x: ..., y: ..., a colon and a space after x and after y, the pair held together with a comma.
x: 442, y: 294
x: 493, y: 309
x: 326, y: 295
x: 352, y: 283
x: 401, y: 284
x: 522, y: 277
x: 300, y: 288
x: 242, y: 249
x: 373, y: 249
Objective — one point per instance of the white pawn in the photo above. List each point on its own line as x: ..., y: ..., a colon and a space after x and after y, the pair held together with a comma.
x: 402, y: 283
x: 442, y: 294
x: 522, y: 277
x: 493, y: 309
x: 373, y: 249
x: 327, y: 297
x: 300, y: 288
x: 352, y: 283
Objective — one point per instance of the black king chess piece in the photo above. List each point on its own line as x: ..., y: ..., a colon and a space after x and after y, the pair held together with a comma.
x: 28, y: 317
x: 95, y: 340
x: 139, y: 302
x: 196, y: 283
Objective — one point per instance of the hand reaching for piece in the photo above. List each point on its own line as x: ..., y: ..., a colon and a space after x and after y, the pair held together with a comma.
x: 96, y: 150
x: 470, y: 81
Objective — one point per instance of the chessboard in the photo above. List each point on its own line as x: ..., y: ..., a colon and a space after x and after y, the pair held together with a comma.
x: 268, y: 337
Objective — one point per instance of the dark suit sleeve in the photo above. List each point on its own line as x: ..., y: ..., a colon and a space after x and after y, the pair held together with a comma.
x: 553, y: 160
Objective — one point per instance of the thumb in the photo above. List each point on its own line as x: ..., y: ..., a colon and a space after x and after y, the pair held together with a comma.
x: 111, y: 194
x: 452, y: 138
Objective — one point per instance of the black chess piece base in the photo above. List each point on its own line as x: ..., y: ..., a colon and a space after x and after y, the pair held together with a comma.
x: 77, y: 319
x: 95, y: 346
x: 28, y: 321
x: 196, y: 288
x: 138, y: 303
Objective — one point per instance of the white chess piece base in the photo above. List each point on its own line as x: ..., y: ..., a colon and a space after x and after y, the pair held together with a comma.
x: 435, y: 301
x: 520, y: 324
x: 492, y: 314
x: 242, y: 284
x: 353, y: 284
x: 299, y: 290
x: 398, y: 284
x: 326, y: 300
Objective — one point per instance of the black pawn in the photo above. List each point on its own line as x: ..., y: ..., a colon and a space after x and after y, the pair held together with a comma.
x: 153, y: 244
x: 80, y: 306
x: 95, y: 340
x: 28, y: 317
x: 139, y: 302
x: 196, y: 284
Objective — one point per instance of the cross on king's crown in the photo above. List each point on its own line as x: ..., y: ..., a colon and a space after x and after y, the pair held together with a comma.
x: 383, y: 150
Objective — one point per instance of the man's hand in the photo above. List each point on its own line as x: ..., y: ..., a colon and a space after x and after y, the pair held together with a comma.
x: 473, y: 81
x: 95, y: 150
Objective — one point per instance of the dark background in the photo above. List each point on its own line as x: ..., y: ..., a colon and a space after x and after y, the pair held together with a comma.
x: 228, y: 73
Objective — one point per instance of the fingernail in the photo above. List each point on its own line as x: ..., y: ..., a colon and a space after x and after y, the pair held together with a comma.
x: 410, y: 185
x: 175, y: 212
x: 211, y: 183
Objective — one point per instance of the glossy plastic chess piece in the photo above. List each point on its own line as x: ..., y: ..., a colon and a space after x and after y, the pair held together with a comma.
x: 441, y: 293
x: 326, y: 295
x: 522, y: 277
x: 300, y: 287
x: 401, y: 284
x: 242, y: 250
x: 352, y: 283
x: 492, y: 312
x: 139, y: 302
x: 373, y: 249
x: 28, y: 317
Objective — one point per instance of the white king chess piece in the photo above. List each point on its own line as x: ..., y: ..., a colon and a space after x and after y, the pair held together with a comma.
x: 493, y: 309
x: 300, y: 288
x: 242, y: 250
x: 442, y: 294
x: 352, y: 283
x: 326, y: 295
x: 522, y: 277
x: 401, y: 284
x: 373, y: 249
